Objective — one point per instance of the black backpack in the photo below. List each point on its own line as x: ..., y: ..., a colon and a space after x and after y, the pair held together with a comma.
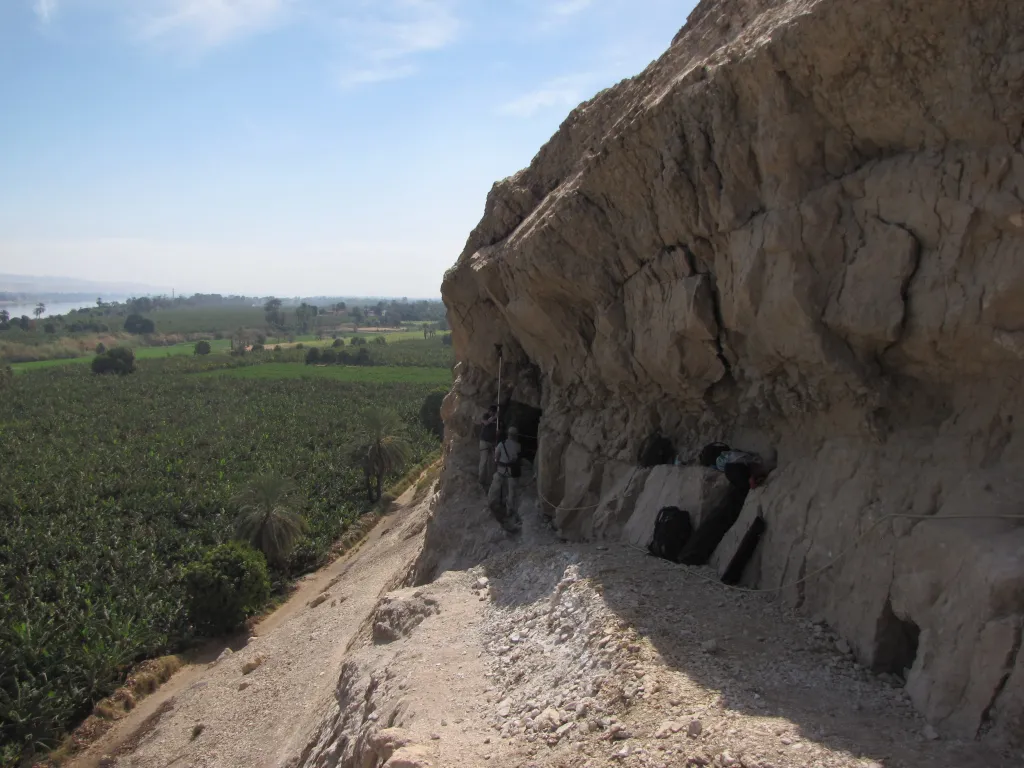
x: 672, y: 530
x: 709, y: 453
x: 656, y: 450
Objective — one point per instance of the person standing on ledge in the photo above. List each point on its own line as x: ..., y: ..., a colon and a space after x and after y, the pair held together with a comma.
x: 488, y: 424
x: 506, y: 481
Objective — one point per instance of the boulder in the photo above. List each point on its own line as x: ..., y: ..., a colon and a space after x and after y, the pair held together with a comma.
x: 398, y: 613
x: 694, y: 489
x: 740, y: 545
x: 410, y: 757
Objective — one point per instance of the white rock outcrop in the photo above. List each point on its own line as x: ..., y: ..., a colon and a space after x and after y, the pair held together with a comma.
x: 801, y: 230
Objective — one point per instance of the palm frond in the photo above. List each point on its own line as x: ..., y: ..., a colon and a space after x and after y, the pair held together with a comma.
x: 386, y: 451
x: 267, y: 517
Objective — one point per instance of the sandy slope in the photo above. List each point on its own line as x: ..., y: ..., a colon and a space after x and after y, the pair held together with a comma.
x: 302, y: 647
x: 547, y: 654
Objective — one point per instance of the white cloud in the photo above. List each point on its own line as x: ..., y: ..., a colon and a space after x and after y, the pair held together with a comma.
x: 384, y: 39
x: 378, y: 39
x: 206, y: 23
x: 45, y: 10
x: 351, y: 78
x: 557, y: 14
x: 559, y: 93
x: 570, y: 7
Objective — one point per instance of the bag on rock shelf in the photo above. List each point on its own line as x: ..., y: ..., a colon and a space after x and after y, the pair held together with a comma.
x: 671, y: 531
x: 709, y: 453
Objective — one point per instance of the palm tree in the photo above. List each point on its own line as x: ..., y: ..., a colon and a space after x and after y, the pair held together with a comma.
x: 38, y: 311
x: 267, y: 518
x: 385, y: 451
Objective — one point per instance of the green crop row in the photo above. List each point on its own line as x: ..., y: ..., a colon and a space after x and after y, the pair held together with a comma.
x: 110, y: 486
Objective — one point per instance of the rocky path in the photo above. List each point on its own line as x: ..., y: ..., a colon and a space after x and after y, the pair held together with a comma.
x: 604, y: 656
x: 221, y: 715
x: 548, y: 655
x: 551, y: 654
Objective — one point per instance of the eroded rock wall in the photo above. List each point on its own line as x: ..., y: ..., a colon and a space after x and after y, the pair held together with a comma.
x: 801, y: 230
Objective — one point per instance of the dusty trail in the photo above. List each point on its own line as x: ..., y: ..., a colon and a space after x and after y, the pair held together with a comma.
x: 546, y: 654
x: 559, y: 655
x: 301, y: 646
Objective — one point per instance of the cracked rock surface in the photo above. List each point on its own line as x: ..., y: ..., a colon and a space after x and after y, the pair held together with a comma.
x: 801, y: 231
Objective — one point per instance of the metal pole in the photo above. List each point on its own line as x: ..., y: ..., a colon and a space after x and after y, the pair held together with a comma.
x: 497, y: 415
x: 497, y: 421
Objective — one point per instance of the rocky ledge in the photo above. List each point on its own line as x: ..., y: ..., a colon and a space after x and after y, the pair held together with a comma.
x: 801, y: 230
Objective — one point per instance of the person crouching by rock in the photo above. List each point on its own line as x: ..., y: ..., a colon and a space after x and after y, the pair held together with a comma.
x: 741, y: 468
x: 502, y: 497
x: 488, y: 424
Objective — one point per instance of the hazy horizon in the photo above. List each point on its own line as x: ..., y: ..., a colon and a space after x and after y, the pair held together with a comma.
x: 291, y: 147
x: 38, y: 285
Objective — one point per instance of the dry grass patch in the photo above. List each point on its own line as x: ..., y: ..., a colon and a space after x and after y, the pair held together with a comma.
x: 426, y: 482
x: 143, y: 680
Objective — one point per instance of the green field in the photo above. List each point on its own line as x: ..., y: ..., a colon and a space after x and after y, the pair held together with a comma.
x: 112, y: 485
x: 343, y: 373
x: 207, y: 319
x: 311, y: 340
x: 408, y: 345
x: 141, y: 353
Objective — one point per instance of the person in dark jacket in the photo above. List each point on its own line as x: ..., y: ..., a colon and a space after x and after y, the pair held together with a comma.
x: 488, y: 424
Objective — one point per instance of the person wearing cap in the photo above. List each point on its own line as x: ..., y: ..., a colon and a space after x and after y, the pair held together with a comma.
x: 506, y: 480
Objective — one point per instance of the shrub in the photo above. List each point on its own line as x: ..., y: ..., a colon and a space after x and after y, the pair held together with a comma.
x: 258, y: 347
x: 203, y: 348
x: 430, y: 412
x: 120, y: 360
x: 380, y: 340
x: 358, y: 341
x: 328, y: 356
x: 338, y: 342
x: 277, y: 347
x: 300, y: 345
x: 307, y: 555
x: 50, y: 328
x: 101, y: 348
x: 313, y: 356
x: 227, y: 586
x: 138, y: 324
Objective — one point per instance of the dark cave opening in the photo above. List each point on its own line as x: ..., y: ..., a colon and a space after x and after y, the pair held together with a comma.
x: 896, y: 643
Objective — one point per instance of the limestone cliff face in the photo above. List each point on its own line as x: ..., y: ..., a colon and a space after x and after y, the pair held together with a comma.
x: 801, y: 230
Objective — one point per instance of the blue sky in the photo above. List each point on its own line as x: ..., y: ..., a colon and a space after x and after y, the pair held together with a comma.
x: 285, y: 146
